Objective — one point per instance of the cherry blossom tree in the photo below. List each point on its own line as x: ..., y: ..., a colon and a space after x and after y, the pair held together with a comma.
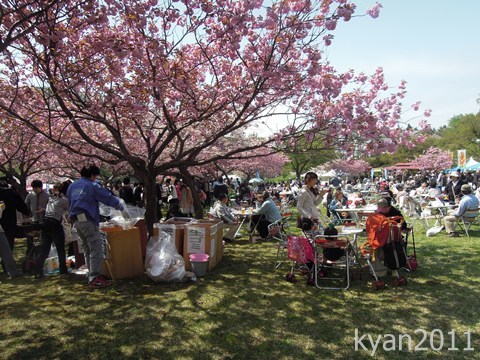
x: 267, y: 165
x: 24, y: 155
x: 18, y: 18
x: 158, y: 85
x: 353, y: 167
x: 435, y: 159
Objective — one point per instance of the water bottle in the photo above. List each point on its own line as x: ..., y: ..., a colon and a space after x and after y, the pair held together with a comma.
x: 320, y: 229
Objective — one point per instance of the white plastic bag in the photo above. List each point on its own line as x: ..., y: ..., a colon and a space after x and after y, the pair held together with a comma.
x: 117, y: 218
x: 434, y: 230
x: 162, y: 261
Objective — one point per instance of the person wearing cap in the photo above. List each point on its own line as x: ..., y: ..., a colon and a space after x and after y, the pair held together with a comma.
x: 384, y: 207
x: 469, y: 202
x: 453, y: 187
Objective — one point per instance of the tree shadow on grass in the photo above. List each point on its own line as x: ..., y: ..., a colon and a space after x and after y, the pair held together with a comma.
x: 241, y: 310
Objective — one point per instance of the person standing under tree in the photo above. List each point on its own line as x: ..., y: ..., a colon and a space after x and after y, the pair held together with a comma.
x: 37, y: 200
x: 13, y: 203
x: 308, y: 200
x: 126, y: 192
x: 52, y: 229
x: 84, y: 196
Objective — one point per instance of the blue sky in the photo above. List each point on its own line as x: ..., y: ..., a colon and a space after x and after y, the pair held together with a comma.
x: 432, y: 44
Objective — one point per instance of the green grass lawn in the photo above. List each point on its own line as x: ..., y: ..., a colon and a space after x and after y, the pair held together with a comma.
x: 245, y: 310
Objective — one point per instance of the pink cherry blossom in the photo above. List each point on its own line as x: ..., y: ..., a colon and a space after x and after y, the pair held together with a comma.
x: 434, y: 159
x: 374, y: 11
x: 173, y: 87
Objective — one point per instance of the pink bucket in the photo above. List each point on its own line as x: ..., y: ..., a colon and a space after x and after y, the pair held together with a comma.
x: 199, y: 264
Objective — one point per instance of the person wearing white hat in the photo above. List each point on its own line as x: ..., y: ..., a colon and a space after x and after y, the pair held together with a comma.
x: 454, y: 187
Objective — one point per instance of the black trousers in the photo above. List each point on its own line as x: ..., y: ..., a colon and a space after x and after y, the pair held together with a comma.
x: 261, y: 223
x: 52, y: 233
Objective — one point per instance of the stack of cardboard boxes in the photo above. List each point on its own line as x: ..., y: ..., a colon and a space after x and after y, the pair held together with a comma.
x: 195, y: 237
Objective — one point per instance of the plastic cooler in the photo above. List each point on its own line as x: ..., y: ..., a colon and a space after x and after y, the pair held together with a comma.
x: 199, y: 264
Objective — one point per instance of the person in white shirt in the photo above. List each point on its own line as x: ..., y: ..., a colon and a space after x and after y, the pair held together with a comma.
x: 221, y: 211
x: 308, y: 200
x: 433, y: 191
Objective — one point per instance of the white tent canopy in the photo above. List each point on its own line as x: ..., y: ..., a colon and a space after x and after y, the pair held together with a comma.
x: 256, y: 181
x: 328, y: 174
x: 322, y: 173
x: 472, y: 164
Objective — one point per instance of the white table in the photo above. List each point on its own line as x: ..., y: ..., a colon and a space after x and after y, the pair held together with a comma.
x: 243, y: 214
x: 353, y: 212
x: 438, y: 212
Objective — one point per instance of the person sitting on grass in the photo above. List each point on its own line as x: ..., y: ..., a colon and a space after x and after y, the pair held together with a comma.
x: 221, y: 211
x: 469, y: 202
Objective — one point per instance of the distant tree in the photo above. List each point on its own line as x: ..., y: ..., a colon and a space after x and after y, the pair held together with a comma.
x: 434, y: 159
x: 461, y: 133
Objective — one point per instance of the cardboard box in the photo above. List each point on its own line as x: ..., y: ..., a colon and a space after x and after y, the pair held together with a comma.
x: 219, y: 237
x: 143, y: 235
x: 200, y: 238
x: 123, y: 253
x: 176, y: 228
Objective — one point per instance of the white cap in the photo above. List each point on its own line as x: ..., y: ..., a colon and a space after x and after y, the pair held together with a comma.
x: 454, y: 173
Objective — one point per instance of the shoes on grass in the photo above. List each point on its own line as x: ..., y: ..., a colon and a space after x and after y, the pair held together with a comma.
x: 454, y: 234
x: 14, y: 275
x: 99, y: 282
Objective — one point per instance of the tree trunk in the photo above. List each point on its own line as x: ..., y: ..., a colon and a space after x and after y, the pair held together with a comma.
x: 150, y: 196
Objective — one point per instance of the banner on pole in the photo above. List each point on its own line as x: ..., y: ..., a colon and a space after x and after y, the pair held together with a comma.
x: 462, y: 157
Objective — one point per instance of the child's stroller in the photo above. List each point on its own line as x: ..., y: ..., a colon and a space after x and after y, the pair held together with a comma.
x: 301, y: 253
x: 385, y: 249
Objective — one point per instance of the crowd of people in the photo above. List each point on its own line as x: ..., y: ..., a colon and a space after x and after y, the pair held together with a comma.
x: 77, y: 204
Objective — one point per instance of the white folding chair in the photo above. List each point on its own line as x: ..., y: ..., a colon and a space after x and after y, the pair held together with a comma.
x: 276, y: 233
x: 467, y: 219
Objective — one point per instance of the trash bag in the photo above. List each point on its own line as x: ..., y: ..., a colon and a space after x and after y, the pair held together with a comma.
x: 162, y: 261
x: 435, y: 230
x: 117, y: 218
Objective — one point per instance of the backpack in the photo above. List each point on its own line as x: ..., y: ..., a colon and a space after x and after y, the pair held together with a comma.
x: 378, y: 230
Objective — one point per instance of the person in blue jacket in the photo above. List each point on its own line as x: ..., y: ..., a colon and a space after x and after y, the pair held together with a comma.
x: 84, y: 196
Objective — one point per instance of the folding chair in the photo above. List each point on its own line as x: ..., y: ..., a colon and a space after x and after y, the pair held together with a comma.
x: 276, y: 233
x: 325, y: 277
x: 252, y: 232
x: 468, y: 218
x: 285, y: 222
